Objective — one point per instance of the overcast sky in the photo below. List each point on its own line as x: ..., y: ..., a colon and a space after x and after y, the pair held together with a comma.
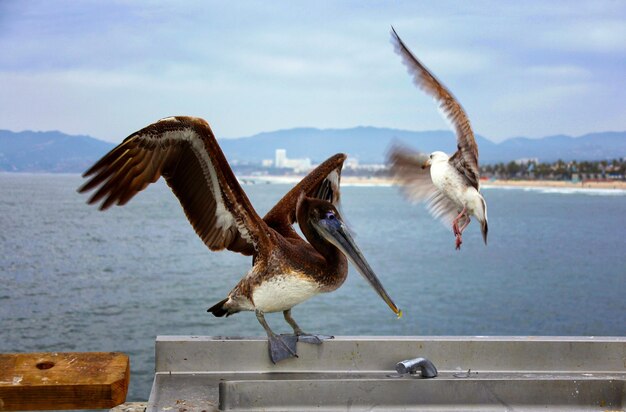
x: 108, y: 68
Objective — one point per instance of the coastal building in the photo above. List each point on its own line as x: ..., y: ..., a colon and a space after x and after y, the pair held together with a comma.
x: 281, y: 161
x: 352, y: 163
x: 281, y: 158
x: 527, y: 160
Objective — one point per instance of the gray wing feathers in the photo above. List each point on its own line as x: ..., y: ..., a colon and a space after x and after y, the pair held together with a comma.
x: 466, y: 158
x: 416, y: 184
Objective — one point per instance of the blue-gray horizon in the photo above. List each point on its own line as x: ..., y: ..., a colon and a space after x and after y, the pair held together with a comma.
x: 107, y: 69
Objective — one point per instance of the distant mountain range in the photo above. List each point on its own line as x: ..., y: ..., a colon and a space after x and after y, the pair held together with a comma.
x: 48, y: 151
x: 55, y: 151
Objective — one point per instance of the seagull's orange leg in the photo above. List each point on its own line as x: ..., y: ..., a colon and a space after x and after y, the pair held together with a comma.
x: 465, y: 225
x: 459, y: 231
x: 455, y: 223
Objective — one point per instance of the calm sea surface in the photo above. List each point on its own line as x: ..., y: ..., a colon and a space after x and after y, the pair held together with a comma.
x: 76, y: 279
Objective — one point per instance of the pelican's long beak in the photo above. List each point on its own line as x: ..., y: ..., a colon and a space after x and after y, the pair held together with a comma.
x: 336, y: 233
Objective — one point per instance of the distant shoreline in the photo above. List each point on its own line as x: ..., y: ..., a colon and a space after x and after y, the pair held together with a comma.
x: 613, y: 184
x: 377, y: 181
x: 617, y: 184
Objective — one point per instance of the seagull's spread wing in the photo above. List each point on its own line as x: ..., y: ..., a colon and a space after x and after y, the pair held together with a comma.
x: 321, y: 183
x: 406, y: 168
x: 185, y: 152
x: 465, y: 160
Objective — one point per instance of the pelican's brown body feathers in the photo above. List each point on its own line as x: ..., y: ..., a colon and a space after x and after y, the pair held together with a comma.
x: 286, y: 269
x: 185, y: 152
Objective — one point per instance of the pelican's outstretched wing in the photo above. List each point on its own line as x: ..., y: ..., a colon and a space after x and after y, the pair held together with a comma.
x: 321, y: 183
x: 405, y: 165
x: 185, y: 152
x: 466, y: 158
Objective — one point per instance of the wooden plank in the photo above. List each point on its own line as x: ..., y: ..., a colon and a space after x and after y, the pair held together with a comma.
x: 70, y: 380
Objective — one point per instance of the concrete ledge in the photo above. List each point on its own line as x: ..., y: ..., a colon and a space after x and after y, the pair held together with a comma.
x: 200, y: 373
x: 376, y: 353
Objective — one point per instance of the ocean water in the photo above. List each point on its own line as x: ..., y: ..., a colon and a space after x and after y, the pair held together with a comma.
x: 73, y: 278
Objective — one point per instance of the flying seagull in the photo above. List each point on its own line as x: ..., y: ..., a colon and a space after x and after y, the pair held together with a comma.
x: 286, y: 269
x: 452, y: 188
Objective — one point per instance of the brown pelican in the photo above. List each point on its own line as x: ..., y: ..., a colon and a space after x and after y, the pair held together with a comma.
x: 286, y: 270
x: 452, y: 188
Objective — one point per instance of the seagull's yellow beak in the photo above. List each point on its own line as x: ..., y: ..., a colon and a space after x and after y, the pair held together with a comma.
x: 426, y: 163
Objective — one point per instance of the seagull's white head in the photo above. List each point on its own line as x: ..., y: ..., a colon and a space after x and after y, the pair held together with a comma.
x: 435, y: 157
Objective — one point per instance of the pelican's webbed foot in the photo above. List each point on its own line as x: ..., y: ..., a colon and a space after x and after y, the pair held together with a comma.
x: 304, y: 337
x: 313, y: 339
x: 280, y: 347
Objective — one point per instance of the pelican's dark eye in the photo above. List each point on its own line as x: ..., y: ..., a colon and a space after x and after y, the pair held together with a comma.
x: 330, y: 215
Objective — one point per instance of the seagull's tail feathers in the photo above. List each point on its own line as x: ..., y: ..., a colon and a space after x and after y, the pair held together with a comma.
x: 484, y: 227
x: 220, y: 309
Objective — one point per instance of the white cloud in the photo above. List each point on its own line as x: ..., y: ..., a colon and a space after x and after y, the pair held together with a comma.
x: 559, y: 72
x: 594, y: 36
x: 108, y: 68
x: 292, y: 66
x: 541, y: 98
